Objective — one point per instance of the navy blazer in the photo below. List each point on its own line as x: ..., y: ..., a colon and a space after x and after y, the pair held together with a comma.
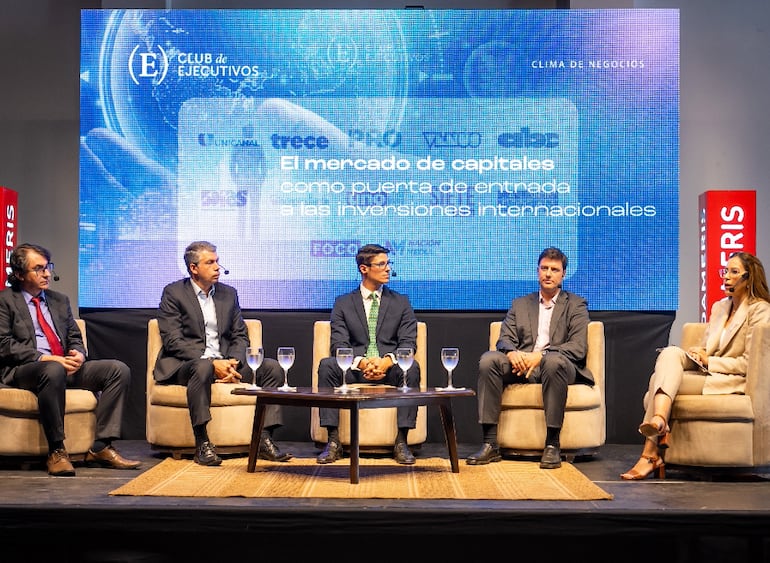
x: 396, y: 323
x: 182, y: 330
x: 568, y: 331
x: 18, y: 344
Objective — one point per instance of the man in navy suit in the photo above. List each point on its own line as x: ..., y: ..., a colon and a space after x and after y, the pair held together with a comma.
x: 543, y: 339
x: 47, y: 364
x: 204, y: 342
x: 373, y: 362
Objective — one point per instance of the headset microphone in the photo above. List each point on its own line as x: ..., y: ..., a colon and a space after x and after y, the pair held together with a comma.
x: 745, y: 276
x: 225, y: 271
x: 55, y: 276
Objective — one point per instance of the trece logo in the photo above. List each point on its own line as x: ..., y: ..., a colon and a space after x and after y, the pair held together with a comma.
x: 148, y: 65
x: 527, y: 139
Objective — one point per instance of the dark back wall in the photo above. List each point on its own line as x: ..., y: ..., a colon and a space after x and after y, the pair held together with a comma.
x: 631, y: 340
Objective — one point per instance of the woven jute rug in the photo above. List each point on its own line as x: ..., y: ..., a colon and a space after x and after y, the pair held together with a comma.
x: 429, y: 478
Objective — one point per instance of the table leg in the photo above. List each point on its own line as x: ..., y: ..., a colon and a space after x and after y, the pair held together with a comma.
x: 256, y: 436
x: 449, y: 431
x: 354, y: 443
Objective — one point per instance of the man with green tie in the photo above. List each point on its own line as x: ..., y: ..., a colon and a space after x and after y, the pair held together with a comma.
x: 374, y: 321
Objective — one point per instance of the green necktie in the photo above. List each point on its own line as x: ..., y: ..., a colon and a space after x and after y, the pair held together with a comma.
x: 372, y: 351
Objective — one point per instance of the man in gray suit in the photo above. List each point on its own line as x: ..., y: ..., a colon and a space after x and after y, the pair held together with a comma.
x: 543, y: 339
x: 374, y: 360
x: 41, y: 350
x: 204, y: 342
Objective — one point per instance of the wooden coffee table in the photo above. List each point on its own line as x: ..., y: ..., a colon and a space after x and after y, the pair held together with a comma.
x: 366, y: 398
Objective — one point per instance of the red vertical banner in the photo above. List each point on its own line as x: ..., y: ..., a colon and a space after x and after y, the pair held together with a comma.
x: 728, y: 223
x: 9, y: 203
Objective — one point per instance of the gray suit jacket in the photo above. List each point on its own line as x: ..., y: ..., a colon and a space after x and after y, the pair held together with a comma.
x: 17, y: 333
x: 568, y: 332
x: 180, y: 321
x: 396, y: 323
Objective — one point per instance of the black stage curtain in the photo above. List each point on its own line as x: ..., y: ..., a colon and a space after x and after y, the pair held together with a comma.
x: 631, y: 340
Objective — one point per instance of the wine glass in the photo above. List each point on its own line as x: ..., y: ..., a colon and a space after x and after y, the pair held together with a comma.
x: 344, y: 360
x: 449, y: 359
x: 254, y: 357
x: 404, y: 358
x: 286, y: 360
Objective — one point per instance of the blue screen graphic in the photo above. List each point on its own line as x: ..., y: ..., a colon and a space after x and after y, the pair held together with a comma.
x: 464, y: 141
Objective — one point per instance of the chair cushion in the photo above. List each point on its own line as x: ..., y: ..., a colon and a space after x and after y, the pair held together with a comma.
x: 221, y: 395
x: 23, y: 403
x: 530, y: 395
x: 723, y: 408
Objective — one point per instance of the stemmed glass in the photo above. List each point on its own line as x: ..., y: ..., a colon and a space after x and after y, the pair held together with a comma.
x: 286, y: 360
x: 449, y: 359
x: 254, y: 357
x: 404, y: 358
x: 344, y: 360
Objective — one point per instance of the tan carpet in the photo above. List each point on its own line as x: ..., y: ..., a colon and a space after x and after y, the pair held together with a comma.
x: 430, y: 478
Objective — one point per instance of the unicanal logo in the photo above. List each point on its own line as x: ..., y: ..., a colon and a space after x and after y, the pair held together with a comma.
x: 148, y: 65
x: 455, y: 139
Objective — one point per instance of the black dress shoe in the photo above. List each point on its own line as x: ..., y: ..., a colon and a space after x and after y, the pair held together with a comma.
x: 402, y: 454
x: 551, y: 458
x: 269, y: 450
x: 487, y: 454
x: 332, y: 452
x: 206, y: 454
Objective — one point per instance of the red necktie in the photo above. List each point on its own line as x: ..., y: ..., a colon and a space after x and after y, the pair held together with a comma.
x: 53, y: 340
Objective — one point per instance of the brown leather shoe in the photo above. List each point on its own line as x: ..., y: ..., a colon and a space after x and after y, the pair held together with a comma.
x: 59, y: 464
x: 109, y: 457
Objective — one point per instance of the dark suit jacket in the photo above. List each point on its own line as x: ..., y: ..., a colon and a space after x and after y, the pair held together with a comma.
x: 17, y: 333
x: 568, y: 333
x: 396, y: 323
x: 180, y: 321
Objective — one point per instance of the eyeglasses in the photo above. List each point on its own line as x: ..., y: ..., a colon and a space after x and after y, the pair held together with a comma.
x: 733, y: 273
x: 40, y: 269
x: 382, y: 265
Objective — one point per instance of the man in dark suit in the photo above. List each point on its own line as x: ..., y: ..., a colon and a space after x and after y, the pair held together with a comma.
x: 543, y: 339
x: 374, y: 360
x: 41, y: 350
x: 204, y: 342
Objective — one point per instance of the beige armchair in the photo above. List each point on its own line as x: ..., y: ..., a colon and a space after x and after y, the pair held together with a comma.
x: 724, y: 430
x: 377, y: 426
x: 521, y: 430
x: 21, y: 433
x: 168, y: 418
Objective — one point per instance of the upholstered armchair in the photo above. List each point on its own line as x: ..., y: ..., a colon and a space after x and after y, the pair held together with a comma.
x: 21, y: 433
x: 521, y: 429
x: 377, y: 427
x: 724, y: 430
x: 168, y: 418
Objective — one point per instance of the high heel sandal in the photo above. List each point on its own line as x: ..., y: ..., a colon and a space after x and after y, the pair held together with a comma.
x: 658, y: 469
x: 650, y: 430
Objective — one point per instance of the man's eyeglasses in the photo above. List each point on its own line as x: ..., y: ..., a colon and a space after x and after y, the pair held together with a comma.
x: 40, y: 269
x: 382, y: 265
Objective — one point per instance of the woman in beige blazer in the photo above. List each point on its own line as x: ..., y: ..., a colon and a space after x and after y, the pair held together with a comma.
x: 722, y: 358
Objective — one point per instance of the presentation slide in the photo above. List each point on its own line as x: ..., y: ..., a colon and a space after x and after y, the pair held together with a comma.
x: 464, y: 141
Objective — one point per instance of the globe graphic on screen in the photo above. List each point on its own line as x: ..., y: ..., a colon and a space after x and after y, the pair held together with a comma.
x: 151, y: 62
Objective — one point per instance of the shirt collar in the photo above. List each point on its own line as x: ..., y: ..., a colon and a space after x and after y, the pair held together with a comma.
x: 365, y: 293
x: 199, y: 289
x: 28, y: 296
x: 553, y: 300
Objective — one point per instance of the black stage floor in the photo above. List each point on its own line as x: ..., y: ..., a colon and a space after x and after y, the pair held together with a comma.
x: 703, y: 517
